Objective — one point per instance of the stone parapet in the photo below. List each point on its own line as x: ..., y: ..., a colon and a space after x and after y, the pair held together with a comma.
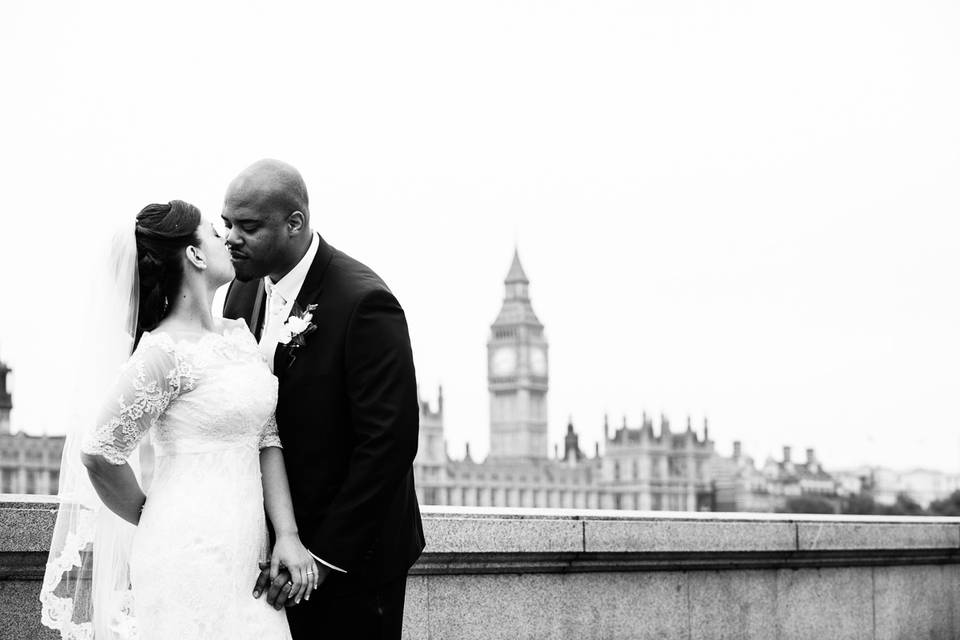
x: 537, y: 573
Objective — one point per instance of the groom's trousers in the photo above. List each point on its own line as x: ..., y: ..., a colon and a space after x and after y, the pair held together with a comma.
x: 374, y: 614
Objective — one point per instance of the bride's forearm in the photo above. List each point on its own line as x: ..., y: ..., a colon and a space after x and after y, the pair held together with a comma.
x: 276, y: 491
x: 117, y: 487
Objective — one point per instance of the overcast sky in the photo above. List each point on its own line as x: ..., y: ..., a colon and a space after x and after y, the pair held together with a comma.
x: 741, y: 210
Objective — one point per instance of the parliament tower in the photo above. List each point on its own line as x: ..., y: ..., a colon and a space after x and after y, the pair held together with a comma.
x: 517, y: 374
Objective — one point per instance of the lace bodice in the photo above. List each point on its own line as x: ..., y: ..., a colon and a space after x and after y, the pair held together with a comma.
x: 193, y: 392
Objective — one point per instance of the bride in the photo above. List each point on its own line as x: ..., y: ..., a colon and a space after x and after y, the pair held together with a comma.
x: 182, y: 457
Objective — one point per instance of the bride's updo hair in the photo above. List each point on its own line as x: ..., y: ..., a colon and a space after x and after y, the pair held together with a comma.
x: 163, y: 232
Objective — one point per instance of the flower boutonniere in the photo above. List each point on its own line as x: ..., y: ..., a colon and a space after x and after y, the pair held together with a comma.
x: 294, y: 332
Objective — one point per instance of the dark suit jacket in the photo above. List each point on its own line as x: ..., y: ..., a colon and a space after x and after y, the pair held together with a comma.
x: 348, y: 416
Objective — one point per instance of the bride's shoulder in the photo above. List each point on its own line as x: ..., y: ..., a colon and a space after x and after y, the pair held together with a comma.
x: 155, y: 341
x: 156, y: 351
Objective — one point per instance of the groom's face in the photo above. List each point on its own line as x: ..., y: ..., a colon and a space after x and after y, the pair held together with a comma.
x: 256, y: 238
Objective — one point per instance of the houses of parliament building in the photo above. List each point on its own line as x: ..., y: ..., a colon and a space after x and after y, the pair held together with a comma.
x: 638, y: 468
x: 28, y: 464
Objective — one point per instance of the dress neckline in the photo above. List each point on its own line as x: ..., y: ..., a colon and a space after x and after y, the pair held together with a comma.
x: 184, y: 335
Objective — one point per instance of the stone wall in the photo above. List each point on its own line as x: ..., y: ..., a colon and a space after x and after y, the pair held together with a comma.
x: 514, y: 573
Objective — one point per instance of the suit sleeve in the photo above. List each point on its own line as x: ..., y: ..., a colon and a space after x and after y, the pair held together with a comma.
x: 384, y: 415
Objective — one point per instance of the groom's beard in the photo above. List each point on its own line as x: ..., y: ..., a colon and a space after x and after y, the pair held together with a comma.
x: 246, y: 270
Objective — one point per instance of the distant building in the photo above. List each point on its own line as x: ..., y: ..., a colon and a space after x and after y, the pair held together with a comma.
x: 884, y: 485
x: 6, y: 399
x: 28, y: 464
x: 742, y: 486
x: 637, y: 470
x: 430, y: 473
x: 666, y: 471
x: 927, y: 485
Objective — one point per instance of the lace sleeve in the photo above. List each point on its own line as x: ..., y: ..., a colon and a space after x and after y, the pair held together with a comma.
x: 148, y: 382
x: 268, y: 435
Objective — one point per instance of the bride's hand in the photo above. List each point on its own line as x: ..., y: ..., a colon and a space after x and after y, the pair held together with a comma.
x: 289, y: 552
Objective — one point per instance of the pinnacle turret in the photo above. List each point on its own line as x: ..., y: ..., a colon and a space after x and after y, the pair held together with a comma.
x: 6, y: 399
x: 516, y: 309
x: 516, y: 273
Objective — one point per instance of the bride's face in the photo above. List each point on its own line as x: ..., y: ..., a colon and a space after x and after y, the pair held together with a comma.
x: 219, y: 266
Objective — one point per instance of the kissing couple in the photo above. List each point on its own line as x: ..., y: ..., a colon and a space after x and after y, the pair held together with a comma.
x: 243, y: 477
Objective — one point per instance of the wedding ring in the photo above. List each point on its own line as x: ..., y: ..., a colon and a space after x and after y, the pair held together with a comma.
x: 309, y: 573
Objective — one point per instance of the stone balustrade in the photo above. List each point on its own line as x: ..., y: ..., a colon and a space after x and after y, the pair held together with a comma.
x: 532, y: 573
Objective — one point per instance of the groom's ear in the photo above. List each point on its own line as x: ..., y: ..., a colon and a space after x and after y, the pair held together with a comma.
x: 196, y: 258
x: 296, y: 222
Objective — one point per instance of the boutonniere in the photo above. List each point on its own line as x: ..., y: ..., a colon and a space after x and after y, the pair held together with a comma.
x: 294, y: 332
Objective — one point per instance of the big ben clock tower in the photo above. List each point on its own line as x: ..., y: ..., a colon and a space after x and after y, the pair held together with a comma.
x: 517, y: 374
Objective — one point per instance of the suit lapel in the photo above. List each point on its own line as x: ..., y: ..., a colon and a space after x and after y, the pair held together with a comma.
x: 281, y: 358
x: 256, y: 317
x: 313, y: 283
x: 246, y: 300
x: 309, y: 293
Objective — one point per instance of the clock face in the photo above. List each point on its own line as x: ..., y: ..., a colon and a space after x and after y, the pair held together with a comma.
x: 538, y: 361
x: 504, y: 361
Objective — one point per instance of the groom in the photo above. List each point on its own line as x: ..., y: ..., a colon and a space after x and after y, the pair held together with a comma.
x: 347, y: 412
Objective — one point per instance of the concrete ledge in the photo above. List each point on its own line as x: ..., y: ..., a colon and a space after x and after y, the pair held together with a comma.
x: 26, y: 524
x: 476, y: 539
x: 687, y: 536
x: 487, y: 540
x: 502, y: 535
x: 817, y: 536
x: 532, y: 573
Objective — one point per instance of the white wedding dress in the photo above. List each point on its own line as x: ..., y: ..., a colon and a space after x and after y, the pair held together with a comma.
x: 208, y: 403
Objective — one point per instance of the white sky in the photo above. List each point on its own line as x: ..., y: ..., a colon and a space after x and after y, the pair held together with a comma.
x: 734, y: 209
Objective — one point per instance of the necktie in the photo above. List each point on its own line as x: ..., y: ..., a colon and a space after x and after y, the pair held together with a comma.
x: 272, y: 324
x: 275, y: 304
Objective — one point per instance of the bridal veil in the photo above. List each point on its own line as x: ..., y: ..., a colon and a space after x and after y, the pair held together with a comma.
x: 86, y: 585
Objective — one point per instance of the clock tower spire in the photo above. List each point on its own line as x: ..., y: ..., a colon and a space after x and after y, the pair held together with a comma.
x: 517, y: 374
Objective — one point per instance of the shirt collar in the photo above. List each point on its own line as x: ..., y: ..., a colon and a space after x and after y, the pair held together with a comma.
x: 289, y: 285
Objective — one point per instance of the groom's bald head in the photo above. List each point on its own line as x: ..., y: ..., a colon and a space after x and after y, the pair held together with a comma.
x: 270, y: 185
x: 266, y: 211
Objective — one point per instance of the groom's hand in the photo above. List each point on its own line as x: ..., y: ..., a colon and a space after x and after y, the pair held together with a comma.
x: 278, y: 589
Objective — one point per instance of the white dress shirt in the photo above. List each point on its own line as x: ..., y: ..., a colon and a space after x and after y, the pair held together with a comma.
x: 281, y: 296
